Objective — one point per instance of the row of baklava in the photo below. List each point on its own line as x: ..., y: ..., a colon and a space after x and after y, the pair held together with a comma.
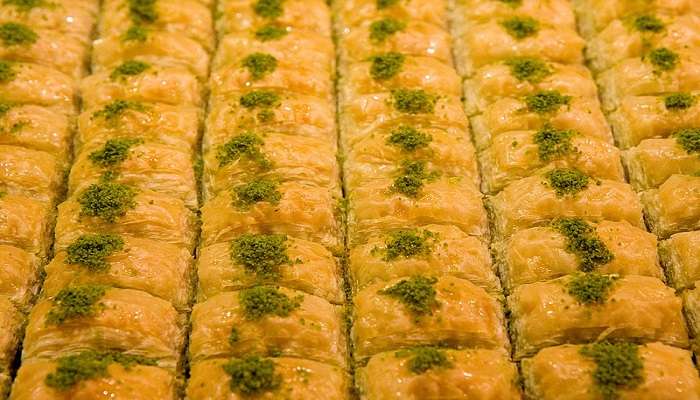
x: 111, y: 318
x: 43, y: 54
x: 427, y: 319
x: 268, y: 321
x: 647, y: 62
x: 583, y: 277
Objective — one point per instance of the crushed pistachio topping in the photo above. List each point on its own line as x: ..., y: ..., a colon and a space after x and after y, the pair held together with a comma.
x: 260, y: 254
x: 648, y: 23
x: 135, y: 33
x: 512, y: 3
x: 412, y: 177
x: 417, y: 294
x: 408, y: 138
x: 583, y: 241
x: 2, y: 194
x: 142, y: 11
x: 16, y: 34
x: 386, y: 66
x: 246, y: 145
x: 689, y: 140
x: 408, y: 243
x: 270, y: 32
x: 114, y: 152
x: 679, y: 101
x: 381, y: 4
x: 115, y: 109
x: 260, y: 99
x: 5, y: 107
x: 91, y: 250
x: 259, y: 65
x: 90, y: 365
x: 528, y: 69
x: 546, y: 101
x: 413, y: 101
x: 567, y: 181
x: 75, y: 302
x: 106, y: 200
x: 521, y: 27
x: 233, y: 337
x: 261, y: 301
x: 7, y: 72
x: 425, y: 358
x: 24, y: 5
x: 663, y: 59
x: 259, y: 190
x: 268, y: 8
x: 129, y: 68
x: 590, y: 288
x: 380, y: 30
x: 553, y: 143
x: 252, y: 375
x: 618, y: 367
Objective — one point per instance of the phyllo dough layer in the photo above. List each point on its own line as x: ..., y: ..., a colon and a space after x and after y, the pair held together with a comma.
x: 457, y: 313
x: 237, y: 323
x: 296, y: 379
x: 471, y: 374
x: 653, y: 371
x: 636, y: 308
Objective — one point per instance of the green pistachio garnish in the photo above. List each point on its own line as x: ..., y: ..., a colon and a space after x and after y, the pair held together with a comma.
x: 546, y: 101
x: 260, y: 254
x: 76, y: 302
x: 567, y: 181
x: 689, y: 140
x: 129, y: 68
x: 246, y: 145
x: 425, y: 358
x: 648, y: 23
x: 663, y: 59
x: 91, y: 250
x: 618, y: 367
x: 268, y: 8
x: 553, y: 143
x: 408, y: 243
x: 583, y: 241
x: 260, y: 99
x: 417, y: 294
x: 115, y: 109
x: 256, y: 191
x: 252, y: 375
x: 88, y: 365
x: 528, y: 69
x: 16, y: 34
x: 382, y: 4
x: 590, y: 288
x: 5, y: 107
x: 7, y: 72
x: 261, y: 301
x: 259, y: 65
x: 521, y: 27
x: 114, y: 152
x: 408, y: 138
x: 413, y: 101
x: 142, y: 11
x: 386, y: 66
x: 679, y: 101
x: 24, y: 5
x: 106, y: 200
x: 412, y: 177
x: 380, y: 30
x: 136, y: 33
x: 270, y: 32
